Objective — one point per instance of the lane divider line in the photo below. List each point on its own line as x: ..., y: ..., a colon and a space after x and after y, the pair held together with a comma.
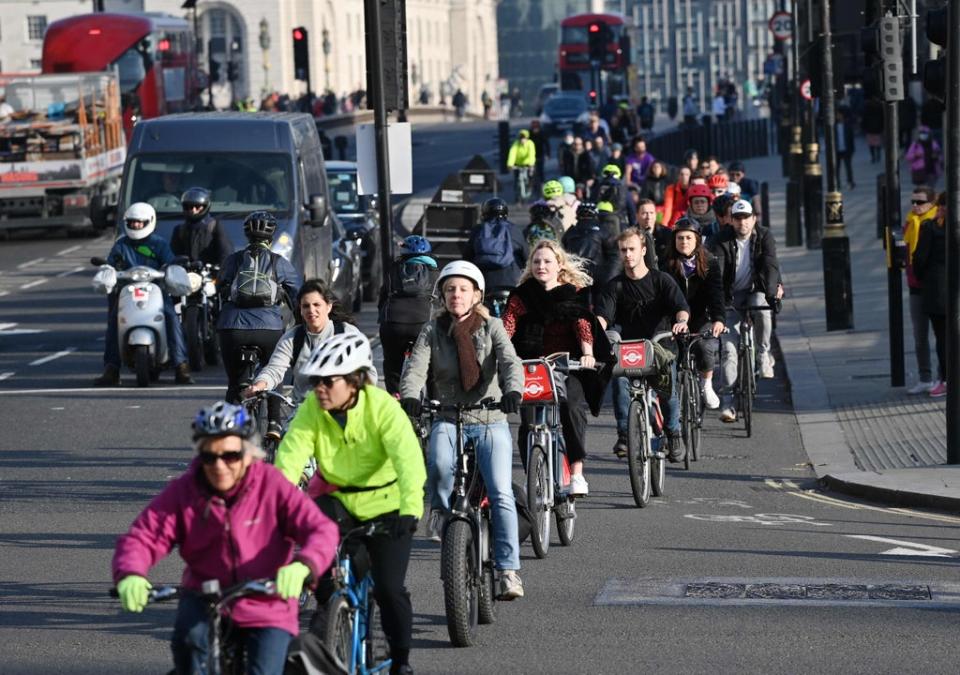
x: 70, y: 250
x: 51, y: 357
x: 69, y: 272
x: 4, y: 376
x: 30, y: 263
x: 34, y: 283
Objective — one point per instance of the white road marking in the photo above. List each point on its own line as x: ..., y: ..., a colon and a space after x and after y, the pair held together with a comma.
x: 759, y: 519
x: 69, y: 272
x: 109, y: 390
x: 4, y: 376
x: 51, y: 357
x: 30, y: 263
x: 6, y: 326
x: 2, y: 293
x: 717, y: 501
x: 34, y: 283
x: 907, y: 547
x: 133, y: 407
x: 58, y: 407
x: 70, y: 250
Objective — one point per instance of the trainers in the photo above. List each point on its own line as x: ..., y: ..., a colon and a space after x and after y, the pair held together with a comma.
x: 938, y: 390
x: 274, y: 431
x: 620, y: 447
x: 182, y: 374
x: 766, y: 366
x: 110, y: 377
x: 511, y: 587
x: 728, y: 415
x: 578, y: 486
x: 710, y: 398
x: 674, y: 453
x: 435, y: 525
x: 921, y: 387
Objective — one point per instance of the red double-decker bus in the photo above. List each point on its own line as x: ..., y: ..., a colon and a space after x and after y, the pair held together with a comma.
x: 154, y: 55
x: 581, y: 32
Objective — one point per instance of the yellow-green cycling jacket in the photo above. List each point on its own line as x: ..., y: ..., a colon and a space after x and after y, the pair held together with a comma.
x: 377, y: 447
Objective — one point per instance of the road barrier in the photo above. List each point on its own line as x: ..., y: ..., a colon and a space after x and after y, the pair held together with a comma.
x: 740, y: 139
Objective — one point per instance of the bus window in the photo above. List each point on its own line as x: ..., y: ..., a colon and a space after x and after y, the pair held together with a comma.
x: 132, y: 69
x: 574, y: 35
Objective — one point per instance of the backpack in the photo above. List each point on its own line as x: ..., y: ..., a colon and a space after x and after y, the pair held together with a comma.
x: 586, y: 241
x: 493, y: 246
x: 300, y: 337
x: 255, y: 284
x: 412, y: 279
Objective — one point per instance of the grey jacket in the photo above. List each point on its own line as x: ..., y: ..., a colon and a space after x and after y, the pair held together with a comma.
x: 434, y: 363
x: 276, y: 369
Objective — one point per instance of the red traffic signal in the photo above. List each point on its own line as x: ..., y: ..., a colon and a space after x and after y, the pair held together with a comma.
x: 594, y: 27
x: 298, y: 34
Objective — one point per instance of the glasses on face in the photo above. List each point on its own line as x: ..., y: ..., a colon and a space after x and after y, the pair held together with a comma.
x: 326, y: 380
x: 229, y: 457
x: 918, y: 202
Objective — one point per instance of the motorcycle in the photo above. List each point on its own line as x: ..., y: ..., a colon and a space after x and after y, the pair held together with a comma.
x: 141, y: 327
x: 198, y: 312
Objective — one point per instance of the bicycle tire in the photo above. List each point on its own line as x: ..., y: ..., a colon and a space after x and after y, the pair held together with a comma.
x: 687, y: 416
x: 638, y: 454
x: 193, y: 336
x: 748, y: 407
x: 375, y: 645
x: 458, y: 566
x: 697, y: 436
x: 566, y: 517
x: 658, y: 470
x: 337, y: 630
x: 486, y: 610
x: 536, y: 501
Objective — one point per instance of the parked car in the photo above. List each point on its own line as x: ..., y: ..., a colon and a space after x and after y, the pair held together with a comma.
x: 359, y: 216
x: 562, y: 112
x: 546, y: 91
x: 249, y: 162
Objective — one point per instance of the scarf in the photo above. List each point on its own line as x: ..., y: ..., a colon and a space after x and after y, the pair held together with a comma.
x: 689, y: 266
x: 462, y: 333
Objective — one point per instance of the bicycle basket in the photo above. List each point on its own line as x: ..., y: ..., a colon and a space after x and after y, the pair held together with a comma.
x: 539, y: 383
x: 635, y: 358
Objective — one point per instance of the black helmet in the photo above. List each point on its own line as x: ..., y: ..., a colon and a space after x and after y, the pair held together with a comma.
x: 195, y: 196
x: 494, y: 208
x: 587, y: 210
x: 260, y: 225
x: 686, y: 224
x: 541, y: 210
x: 722, y: 202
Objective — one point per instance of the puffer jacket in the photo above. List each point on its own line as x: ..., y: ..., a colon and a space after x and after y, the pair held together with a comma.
x: 248, y: 536
x: 434, y: 363
x: 911, y: 235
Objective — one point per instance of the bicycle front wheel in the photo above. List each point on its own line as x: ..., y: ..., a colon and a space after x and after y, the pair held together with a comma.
x: 638, y: 452
x: 748, y: 394
x: 459, y: 569
x: 688, y: 416
x: 537, y: 490
x: 566, y: 515
x: 337, y: 631
x: 488, y: 592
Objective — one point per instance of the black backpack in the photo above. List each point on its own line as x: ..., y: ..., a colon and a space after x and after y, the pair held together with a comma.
x: 493, y: 246
x: 412, y: 279
x: 300, y: 337
x: 585, y: 239
x: 255, y: 284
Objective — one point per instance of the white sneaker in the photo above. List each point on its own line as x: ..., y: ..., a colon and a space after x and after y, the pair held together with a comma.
x: 728, y: 415
x: 710, y: 398
x: 766, y: 366
x: 511, y: 587
x: 578, y: 486
x: 435, y: 525
x: 921, y: 387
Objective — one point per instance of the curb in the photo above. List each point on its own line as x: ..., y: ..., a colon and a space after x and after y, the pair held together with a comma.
x: 848, y: 484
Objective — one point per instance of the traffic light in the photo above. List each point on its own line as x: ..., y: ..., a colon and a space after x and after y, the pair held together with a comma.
x: 935, y: 71
x: 593, y: 97
x: 214, y: 67
x: 301, y: 54
x: 233, y: 72
x: 891, y: 53
x: 597, y: 38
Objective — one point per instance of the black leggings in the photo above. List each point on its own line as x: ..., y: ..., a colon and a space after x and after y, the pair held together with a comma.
x: 395, y: 338
x: 573, y: 419
x: 388, y: 556
x: 939, y: 322
x: 231, y: 341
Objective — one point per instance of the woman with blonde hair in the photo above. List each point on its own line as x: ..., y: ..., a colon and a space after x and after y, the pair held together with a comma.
x: 550, y: 312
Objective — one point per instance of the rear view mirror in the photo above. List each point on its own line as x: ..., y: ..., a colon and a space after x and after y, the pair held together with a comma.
x: 318, y: 210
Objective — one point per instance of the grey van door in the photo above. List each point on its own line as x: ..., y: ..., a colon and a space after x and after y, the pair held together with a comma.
x: 317, y: 240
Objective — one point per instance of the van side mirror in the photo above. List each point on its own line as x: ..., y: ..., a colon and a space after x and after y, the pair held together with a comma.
x: 318, y: 210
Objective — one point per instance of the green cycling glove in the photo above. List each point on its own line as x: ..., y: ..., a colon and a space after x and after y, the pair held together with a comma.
x: 134, y: 591
x: 290, y: 579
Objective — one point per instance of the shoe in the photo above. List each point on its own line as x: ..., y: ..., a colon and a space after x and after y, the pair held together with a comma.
x: 110, y: 377
x: 939, y: 390
x: 674, y: 453
x: 728, y: 415
x: 921, y: 387
x: 182, y: 374
x: 274, y: 431
x: 435, y: 525
x: 511, y: 587
x: 710, y: 398
x: 578, y: 486
x: 766, y: 367
x: 405, y: 669
x: 620, y: 447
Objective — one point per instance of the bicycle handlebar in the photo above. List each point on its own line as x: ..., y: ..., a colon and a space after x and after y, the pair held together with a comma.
x: 755, y: 308
x: 267, y: 393
x: 252, y: 587
x: 437, y: 406
x: 661, y: 336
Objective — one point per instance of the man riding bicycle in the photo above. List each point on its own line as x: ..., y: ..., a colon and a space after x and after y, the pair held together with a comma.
x: 369, y: 471
x: 227, y: 484
x: 521, y: 160
x: 640, y: 299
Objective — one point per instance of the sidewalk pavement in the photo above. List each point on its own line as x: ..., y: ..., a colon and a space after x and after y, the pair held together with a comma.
x: 862, y: 436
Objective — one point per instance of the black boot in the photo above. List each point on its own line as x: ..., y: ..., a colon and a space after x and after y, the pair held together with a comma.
x: 110, y: 377
x: 182, y: 374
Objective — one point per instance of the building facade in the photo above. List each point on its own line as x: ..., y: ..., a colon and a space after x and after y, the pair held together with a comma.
x: 451, y: 44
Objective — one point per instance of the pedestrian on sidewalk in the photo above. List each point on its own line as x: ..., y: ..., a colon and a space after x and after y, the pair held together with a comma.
x: 844, y: 145
x: 923, y: 208
x: 925, y: 158
x: 930, y: 266
x: 872, y: 126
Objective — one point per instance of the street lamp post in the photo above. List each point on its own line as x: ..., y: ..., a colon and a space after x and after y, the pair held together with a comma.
x: 325, y: 44
x: 265, y: 47
x: 812, y: 173
x: 795, y: 183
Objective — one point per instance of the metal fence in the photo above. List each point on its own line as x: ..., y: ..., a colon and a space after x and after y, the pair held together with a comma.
x: 740, y: 139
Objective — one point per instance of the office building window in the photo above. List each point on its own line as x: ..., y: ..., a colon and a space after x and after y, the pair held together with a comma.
x: 36, y: 26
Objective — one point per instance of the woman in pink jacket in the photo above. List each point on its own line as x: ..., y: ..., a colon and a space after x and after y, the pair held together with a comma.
x: 234, y: 518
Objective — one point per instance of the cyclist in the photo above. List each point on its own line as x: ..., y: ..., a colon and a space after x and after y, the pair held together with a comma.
x: 369, y: 471
x: 497, y: 246
x: 545, y: 223
x: 254, y: 281
x: 699, y: 198
x: 201, y: 237
x: 570, y: 199
x: 462, y: 356
x: 550, y: 312
x: 593, y: 240
x: 228, y: 483
x: 660, y: 238
x: 751, y: 276
x: 140, y: 245
x: 640, y: 299
x: 521, y: 160
x: 697, y: 273
x: 566, y: 203
x: 322, y: 316
x: 610, y: 189
x: 406, y: 301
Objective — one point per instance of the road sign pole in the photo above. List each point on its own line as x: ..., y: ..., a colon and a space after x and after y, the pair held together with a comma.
x: 953, y: 233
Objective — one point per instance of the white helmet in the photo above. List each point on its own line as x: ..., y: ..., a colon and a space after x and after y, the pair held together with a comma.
x: 341, y: 355
x: 143, y: 212
x: 460, y: 268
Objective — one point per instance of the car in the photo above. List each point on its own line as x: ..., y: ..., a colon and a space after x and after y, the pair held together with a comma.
x: 546, y: 91
x: 361, y: 220
x: 562, y: 112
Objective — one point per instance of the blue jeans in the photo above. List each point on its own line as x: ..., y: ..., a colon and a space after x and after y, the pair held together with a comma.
x: 266, y: 648
x: 621, y: 404
x: 494, y: 446
x: 176, y: 344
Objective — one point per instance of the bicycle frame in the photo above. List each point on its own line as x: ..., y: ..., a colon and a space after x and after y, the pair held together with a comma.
x: 357, y: 594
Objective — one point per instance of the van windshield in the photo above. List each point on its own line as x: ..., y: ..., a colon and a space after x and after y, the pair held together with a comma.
x: 238, y: 182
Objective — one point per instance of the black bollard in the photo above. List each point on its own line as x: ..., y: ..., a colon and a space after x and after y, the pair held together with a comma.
x: 341, y: 143
x: 503, y: 144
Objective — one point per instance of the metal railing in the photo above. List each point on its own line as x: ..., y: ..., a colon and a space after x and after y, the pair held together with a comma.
x: 738, y: 139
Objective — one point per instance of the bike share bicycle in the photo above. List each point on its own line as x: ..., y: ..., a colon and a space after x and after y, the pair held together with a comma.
x: 547, y: 468
x: 198, y: 313
x: 635, y: 361
x: 466, y: 550
x: 690, y: 396
x: 746, y: 387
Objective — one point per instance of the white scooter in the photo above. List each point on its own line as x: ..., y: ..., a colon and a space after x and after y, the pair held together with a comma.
x: 141, y: 324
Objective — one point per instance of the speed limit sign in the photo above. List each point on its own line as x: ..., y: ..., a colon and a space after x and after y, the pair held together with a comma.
x: 781, y: 25
x: 805, y: 90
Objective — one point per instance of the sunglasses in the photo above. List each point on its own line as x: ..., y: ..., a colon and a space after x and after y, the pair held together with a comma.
x: 230, y: 457
x: 327, y: 380
x: 918, y: 202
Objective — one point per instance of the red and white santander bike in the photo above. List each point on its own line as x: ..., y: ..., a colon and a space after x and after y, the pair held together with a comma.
x: 548, y: 471
x: 636, y: 362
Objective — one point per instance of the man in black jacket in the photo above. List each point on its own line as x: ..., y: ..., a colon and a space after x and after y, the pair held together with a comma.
x: 751, y: 277
x: 201, y: 237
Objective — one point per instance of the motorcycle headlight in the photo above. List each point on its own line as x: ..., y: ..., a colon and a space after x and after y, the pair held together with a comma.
x: 196, y: 281
x: 335, y: 266
x: 283, y: 245
x: 210, y: 289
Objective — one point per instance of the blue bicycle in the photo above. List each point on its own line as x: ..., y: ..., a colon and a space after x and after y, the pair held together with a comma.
x: 351, y: 627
